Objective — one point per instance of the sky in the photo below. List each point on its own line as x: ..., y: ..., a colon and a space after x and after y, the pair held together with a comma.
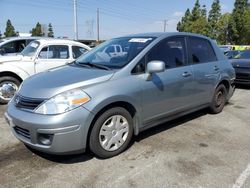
x: 117, y: 17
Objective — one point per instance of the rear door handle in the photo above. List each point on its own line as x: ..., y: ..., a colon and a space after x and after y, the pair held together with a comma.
x: 216, y: 68
x: 186, y: 74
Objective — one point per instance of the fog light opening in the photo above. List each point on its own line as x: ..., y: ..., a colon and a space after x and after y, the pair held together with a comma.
x: 45, y: 139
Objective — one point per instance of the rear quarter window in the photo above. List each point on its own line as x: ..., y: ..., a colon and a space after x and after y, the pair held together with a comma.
x: 201, y: 50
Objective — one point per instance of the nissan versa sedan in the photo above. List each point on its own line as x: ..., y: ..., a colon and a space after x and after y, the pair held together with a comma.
x: 241, y: 64
x: 100, y: 102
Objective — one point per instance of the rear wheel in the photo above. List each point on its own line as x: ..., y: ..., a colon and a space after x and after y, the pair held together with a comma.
x: 111, y: 133
x: 219, y: 99
x: 8, y: 87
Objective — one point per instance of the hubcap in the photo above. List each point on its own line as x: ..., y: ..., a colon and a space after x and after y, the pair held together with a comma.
x: 219, y: 99
x: 113, y: 133
x: 7, y: 90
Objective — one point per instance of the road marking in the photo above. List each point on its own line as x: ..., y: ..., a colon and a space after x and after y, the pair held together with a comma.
x: 242, y: 178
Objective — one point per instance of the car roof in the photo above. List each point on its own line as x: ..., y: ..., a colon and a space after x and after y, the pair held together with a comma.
x: 18, y: 38
x: 61, y: 41
x: 166, y: 34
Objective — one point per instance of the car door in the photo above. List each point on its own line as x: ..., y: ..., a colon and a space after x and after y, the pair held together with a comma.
x: 170, y: 91
x: 52, y: 56
x: 205, y: 67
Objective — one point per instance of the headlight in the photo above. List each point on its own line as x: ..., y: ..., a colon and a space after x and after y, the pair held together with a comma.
x: 63, y: 102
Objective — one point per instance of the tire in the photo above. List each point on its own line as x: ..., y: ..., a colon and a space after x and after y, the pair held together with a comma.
x: 219, y: 99
x: 105, y: 132
x: 8, y: 87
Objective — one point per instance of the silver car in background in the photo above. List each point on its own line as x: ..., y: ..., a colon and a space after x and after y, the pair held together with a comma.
x: 101, y: 101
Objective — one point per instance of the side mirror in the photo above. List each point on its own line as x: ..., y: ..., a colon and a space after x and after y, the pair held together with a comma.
x: 155, y: 67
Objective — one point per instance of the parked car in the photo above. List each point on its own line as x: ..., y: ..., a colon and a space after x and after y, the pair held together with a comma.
x: 232, y: 54
x: 241, y: 64
x: 14, y: 45
x: 38, y: 56
x: 111, y: 52
x: 102, y: 104
x: 226, y: 48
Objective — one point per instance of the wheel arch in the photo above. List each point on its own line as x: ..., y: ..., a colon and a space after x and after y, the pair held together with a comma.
x: 226, y: 83
x: 11, y: 74
x: 124, y: 104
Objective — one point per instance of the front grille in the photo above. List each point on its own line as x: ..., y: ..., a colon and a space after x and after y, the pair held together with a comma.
x: 27, y: 103
x: 242, y: 76
x: 23, y: 132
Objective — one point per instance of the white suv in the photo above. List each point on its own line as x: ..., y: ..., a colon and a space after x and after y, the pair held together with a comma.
x: 38, y: 56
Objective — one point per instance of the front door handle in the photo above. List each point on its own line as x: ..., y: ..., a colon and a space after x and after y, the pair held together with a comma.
x: 186, y: 74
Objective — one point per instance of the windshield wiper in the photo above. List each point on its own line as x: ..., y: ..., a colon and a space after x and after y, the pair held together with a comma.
x: 88, y: 64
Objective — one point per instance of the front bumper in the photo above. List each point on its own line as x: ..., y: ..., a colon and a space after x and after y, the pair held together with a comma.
x: 68, y: 131
x: 242, y: 76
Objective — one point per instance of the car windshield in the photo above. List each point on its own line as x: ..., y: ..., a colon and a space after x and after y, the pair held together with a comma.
x: 115, y: 53
x: 30, y: 49
x: 243, y: 55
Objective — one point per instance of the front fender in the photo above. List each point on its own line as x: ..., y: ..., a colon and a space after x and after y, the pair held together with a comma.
x: 15, y: 70
x: 97, y: 106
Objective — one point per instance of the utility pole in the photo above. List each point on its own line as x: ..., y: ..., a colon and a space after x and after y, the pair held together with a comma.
x: 98, y: 26
x: 165, y: 24
x: 75, y: 20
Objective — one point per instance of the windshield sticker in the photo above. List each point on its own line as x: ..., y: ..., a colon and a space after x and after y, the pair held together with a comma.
x: 34, y: 45
x: 141, y: 40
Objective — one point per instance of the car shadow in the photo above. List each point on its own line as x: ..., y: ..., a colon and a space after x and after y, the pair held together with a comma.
x: 242, y: 86
x: 64, y: 159
x: 169, y: 125
x: 78, y: 158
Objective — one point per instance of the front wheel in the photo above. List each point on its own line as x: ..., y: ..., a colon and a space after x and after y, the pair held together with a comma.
x: 8, y: 87
x: 111, y: 133
x: 219, y: 99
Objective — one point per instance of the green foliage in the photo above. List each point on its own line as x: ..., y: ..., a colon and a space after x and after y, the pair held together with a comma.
x: 196, y: 12
x: 10, y: 30
x: 185, y: 21
x: 246, y: 27
x: 236, y: 23
x: 194, y: 21
x: 37, y: 31
x: 222, y: 29
x: 233, y: 28
x: 50, y: 31
x: 213, y: 19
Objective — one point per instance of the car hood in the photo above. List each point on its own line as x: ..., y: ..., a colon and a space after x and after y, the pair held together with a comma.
x: 14, y: 58
x: 52, y: 82
x: 240, y: 63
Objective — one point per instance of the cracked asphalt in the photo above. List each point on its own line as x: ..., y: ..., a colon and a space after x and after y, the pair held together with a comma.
x: 198, y: 150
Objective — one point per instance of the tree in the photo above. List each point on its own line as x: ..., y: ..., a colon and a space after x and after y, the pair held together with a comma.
x: 194, y: 21
x: 185, y: 22
x: 10, y: 30
x: 222, y: 29
x: 196, y: 12
x: 50, y: 31
x: 236, y: 22
x: 213, y: 18
x: 37, y: 31
x: 245, y: 39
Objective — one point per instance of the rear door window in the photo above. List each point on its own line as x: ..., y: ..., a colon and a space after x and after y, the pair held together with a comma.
x: 201, y: 50
x: 54, y: 52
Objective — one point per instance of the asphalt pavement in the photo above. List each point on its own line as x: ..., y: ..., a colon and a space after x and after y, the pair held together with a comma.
x: 198, y: 150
